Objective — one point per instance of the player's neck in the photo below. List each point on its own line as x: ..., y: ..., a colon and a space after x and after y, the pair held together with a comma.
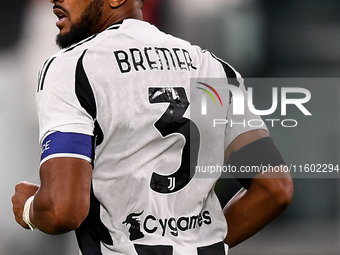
x: 133, y: 14
x: 120, y: 16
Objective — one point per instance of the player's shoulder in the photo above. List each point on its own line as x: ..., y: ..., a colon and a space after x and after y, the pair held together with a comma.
x: 58, y: 71
x: 148, y: 34
x: 130, y: 31
x: 75, y: 51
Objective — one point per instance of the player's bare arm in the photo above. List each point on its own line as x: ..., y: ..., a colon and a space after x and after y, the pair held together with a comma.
x: 61, y: 203
x: 62, y: 200
x: 267, y: 197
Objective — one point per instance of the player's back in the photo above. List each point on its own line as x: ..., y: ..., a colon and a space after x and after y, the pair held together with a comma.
x: 133, y: 82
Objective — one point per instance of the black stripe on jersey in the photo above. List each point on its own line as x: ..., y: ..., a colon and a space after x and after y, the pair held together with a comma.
x: 86, y: 97
x: 83, y: 89
x: 115, y: 25
x: 80, y: 43
x: 231, y: 75
x: 153, y: 249
x: 113, y: 28
x: 92, y: 231
x: 93, y: 36
x: 229, y: 71
x: 44, y: 72
x: 216, y: 249
x: 40, y: 74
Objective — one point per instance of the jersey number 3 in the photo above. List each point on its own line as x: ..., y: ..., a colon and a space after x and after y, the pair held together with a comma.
x: 173, y: 122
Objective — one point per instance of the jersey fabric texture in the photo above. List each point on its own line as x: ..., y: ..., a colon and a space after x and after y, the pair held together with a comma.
x: 127, y: 89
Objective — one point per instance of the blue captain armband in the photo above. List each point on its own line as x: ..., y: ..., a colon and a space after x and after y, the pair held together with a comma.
x: 74, y: 145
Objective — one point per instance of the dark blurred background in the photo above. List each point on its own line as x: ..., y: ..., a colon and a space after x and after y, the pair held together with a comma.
x: 260, y: 39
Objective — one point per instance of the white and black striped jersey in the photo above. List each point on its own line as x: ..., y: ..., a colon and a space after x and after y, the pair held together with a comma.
x: 121, y: 99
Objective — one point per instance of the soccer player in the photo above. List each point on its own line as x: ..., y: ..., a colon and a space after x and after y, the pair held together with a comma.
x: 119, y: 144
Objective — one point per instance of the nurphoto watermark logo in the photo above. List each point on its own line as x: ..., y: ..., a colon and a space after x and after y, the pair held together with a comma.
x: 241, y: 103
x: 300, y: 114
x: 204, y: 96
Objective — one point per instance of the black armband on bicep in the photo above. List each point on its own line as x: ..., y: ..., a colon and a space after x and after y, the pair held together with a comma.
x: 253, y: 158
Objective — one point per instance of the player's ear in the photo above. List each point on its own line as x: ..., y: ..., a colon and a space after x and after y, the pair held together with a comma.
x: 116, y: 3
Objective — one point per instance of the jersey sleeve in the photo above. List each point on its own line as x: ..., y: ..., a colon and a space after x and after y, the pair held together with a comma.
x: 240, y: 123
x: 65, y: 127
x: 236, y: 124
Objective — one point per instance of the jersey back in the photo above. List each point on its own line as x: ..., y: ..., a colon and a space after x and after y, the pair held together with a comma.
x: 132, y: 88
